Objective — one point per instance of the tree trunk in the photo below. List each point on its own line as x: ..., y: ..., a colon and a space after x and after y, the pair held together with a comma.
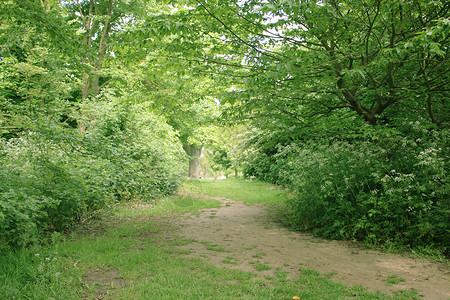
x: 195, y: 152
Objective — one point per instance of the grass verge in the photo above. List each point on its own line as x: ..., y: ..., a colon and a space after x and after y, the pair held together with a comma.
x: 247, y: 191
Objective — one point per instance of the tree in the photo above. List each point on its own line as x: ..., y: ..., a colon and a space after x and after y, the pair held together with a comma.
x: 175, y: 86
x: 349, y: 101
x: 35, y: 78
x: 59, y: 70
x: 300, y: 61
x: 230, y: 146
x: 191, y: 114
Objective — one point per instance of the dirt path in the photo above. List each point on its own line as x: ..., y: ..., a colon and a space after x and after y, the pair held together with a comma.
x: 251, y: 238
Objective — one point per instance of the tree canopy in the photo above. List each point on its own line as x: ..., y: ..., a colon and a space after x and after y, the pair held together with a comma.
x: 303, y: 61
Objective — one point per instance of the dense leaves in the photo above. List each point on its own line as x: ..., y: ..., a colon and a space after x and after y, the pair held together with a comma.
x: 53, y: 177
x: 393, y: 191
x: 348, y: 101
x: 298, y: 62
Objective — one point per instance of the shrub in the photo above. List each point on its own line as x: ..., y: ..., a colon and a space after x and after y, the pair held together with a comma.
x: 391, y: 190
x: 42, y: 188
x: 50, y: 177
x: 144, y: 149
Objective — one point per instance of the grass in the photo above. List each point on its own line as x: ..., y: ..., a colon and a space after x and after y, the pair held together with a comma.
x: 132, y: 254
x: 214, y: 247
x: 247, y: 191
x: 259, y: 255
x: 230, y: 260
x: 169, y: 205
x: 262, y: 267
x: 394, y: 279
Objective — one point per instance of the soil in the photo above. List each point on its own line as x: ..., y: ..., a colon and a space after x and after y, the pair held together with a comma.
x: 240, y: 236
x: 103, y: 282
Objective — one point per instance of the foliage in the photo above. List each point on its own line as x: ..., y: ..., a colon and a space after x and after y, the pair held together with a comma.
x: 52, y: 177
x: 145, y: 148
x: 220, y: 159
x: 392, y: 191
x: 35, y: 81
x: 227, y: 149
x: 96, y: 95
x: 70, y: 141
x: 43, y: 188
x: 296, y: 63
x: 351, y: 89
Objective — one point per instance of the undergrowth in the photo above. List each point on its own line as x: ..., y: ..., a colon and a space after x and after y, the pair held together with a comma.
x: 390, y: 189
x: 52, y: 177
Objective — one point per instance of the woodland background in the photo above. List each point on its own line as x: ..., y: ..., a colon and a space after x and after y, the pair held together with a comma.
x: 344, y: 103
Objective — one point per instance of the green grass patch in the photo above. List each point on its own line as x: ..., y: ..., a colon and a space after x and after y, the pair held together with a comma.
x: 230, y: 260
x: 214, y: 247
x: 259, y: 255
x: 262, y: 267
x: 108, y: 267
x: 281, y: 275
x: 169, y: 205
x: 394, y: 279
x: 247, y: 191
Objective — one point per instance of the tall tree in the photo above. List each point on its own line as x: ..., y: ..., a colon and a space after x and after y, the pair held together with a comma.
x: 168, y: 79
x: 107, y: 42
x: 300, y: 61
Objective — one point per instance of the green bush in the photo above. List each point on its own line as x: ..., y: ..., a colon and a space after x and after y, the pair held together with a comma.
x: 43, y: 189
x: 392, y: 190
x: 144, y: 149
x: 51, y: 177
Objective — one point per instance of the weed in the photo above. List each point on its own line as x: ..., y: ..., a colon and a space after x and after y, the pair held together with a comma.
x: 259, y: 255
x: 394, y: 279
x: 230, y: 260
x: 214, y: 247
x: 262, y: 267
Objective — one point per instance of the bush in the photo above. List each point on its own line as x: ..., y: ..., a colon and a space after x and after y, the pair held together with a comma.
x: 392, y: 190
x: 52, y: 176
x: 42, y: 188
x: 146, y: 153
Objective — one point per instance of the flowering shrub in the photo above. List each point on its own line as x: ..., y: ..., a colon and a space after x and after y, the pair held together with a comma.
x: 392, y: 191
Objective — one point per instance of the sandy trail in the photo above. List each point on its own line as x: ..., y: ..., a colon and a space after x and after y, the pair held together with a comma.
x: 252, y: 238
